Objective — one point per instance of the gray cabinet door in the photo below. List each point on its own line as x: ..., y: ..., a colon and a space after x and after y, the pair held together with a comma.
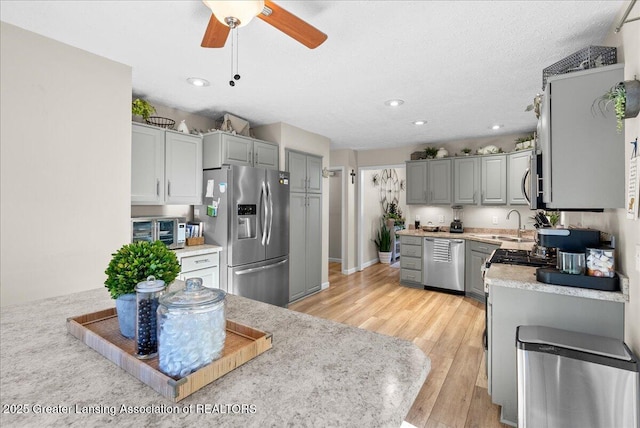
x: 416, y: 182
x: 439, y: 181
x: 147, y: 165
x: 297, y: 246
x: 314, y: 242
x: 476, y: 255
x: 297, y: 167
x: 314, y: 174
x: 518, y: 164
x: 466, y: 180
x: 266, y: 155
x: 494, y: 180
x: 237, y: 150
x: 183, y: 168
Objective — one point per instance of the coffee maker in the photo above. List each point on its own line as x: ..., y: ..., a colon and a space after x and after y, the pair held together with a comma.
x: 456, y: 224
x: 570, y: 247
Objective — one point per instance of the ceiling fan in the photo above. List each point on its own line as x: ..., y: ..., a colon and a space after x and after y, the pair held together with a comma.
x: 228, y: 15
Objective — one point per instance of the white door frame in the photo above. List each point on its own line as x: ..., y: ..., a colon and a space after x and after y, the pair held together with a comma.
x: 343, y: 214
x: 360, y: 262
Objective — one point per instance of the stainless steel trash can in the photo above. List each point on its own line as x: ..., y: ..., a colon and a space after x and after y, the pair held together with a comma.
x: 568, y: 379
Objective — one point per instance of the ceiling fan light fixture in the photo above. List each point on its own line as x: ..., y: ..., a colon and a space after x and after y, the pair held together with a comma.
x: 239, y: 13
x: 496, y: 127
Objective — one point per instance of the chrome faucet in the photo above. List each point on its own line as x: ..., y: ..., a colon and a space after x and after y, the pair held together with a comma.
x: 519, y: 221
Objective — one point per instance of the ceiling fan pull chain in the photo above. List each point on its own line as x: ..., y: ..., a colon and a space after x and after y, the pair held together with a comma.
x: 237, y: 75
x: 234, y: 51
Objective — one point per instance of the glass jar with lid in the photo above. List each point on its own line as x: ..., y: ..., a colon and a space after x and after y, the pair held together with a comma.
x: 191, y: 328
x: 147, y: 297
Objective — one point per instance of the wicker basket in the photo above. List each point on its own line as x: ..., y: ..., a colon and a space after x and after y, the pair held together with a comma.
x: 162, y: 122
x: 589, y: 57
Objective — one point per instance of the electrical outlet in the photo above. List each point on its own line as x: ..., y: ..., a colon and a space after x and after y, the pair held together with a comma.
x: 196, y: 212
x: 441, y: 219
x: 637, y: 258
x: 494, y: 220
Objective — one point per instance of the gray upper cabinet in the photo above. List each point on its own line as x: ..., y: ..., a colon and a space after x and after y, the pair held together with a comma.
x: 439, y: 181
x: 583, y: 155
x: 416, y: 182
x: 305, y: 172
x: 466, y: 180
x: 518, y: 164
x: 224, y: 148
x: 166, y: 166
x: 494, y: 180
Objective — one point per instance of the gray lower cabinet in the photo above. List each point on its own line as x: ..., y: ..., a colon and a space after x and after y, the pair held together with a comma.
x: 494, y: 180
x: 510, y: 307
x: 518, y: 164
x: 224, y: 148
x: 305, y: 246
x: 466, y: 180
x: 476, y: 255
x: 411, y: 254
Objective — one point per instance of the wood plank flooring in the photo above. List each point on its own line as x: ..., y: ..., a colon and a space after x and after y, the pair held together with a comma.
x: 447, y: 328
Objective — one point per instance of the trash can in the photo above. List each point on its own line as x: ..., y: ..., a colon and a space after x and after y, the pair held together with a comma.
x: 568, y: 379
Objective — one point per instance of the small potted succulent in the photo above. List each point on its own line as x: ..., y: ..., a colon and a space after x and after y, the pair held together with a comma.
x: 430, y: 152
x: 142, y: 108
x: 383, y: 243
x: 131, y: 264
x: 625, y: 97
x: 466, y: 151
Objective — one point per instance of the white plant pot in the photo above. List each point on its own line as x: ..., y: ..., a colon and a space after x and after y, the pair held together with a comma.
x: 385, y: 257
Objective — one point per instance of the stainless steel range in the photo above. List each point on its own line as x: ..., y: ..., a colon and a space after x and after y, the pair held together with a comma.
x: 520, y: 257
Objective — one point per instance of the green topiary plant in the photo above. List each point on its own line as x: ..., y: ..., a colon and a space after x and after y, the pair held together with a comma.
x: 134, y: 262
x: 142, y: 108
x: 430, y: 152
x: 383, y: 240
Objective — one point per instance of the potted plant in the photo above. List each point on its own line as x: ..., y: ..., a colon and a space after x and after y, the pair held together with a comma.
x: 131, y: 264
x: 625, y: 96
x: 394, y: 213
x: 430, y: 152
x: 466, y: 151
x: 142, y: 108
x: 383, y: 243
x: 554, y: 217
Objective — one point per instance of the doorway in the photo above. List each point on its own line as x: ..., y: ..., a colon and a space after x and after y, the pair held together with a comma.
x: 336, y: 251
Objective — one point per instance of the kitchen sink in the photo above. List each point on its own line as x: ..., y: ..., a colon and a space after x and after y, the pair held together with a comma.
x: 508, y: 238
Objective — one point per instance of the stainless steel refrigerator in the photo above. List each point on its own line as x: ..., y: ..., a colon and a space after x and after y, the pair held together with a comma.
x: 246, y: 212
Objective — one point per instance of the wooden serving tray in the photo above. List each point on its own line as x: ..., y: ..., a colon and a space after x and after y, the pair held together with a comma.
x: 100, y: 331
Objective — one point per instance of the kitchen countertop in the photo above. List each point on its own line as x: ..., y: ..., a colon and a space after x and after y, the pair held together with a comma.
x: 197, y: 250
x: 318, y: 373
x: 523, y: 277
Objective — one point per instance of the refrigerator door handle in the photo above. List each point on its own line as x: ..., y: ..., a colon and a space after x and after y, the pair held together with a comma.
x: 263, y: 195
x: 270, y: 197
x: 251, y: 270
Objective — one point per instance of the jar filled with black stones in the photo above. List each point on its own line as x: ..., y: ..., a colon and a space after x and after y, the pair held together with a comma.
x: 147, y: 294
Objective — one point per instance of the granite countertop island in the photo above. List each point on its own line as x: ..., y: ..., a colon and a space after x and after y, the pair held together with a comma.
x: 318, y: 373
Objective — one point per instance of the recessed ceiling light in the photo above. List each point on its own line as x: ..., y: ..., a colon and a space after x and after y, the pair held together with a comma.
x: 196, y: 81
x: 419, y: 122
x: 394, y: 103
x: 496, y: 127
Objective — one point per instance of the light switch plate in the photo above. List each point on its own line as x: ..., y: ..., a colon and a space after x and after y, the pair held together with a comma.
x: 441, y: 219
x: 494, y: 220
x: 196, y: 212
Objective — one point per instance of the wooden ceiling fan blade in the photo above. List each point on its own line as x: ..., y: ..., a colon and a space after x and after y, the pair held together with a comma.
x: 293, y: 26
x: 216, y: 34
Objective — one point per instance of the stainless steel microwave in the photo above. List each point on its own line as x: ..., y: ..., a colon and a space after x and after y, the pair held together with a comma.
x: 169, y: 230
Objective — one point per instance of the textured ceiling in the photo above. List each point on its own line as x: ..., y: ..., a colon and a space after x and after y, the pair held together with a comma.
x: 460, y: 65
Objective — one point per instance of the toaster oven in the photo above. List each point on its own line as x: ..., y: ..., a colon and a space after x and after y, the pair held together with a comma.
x: 169, y: 230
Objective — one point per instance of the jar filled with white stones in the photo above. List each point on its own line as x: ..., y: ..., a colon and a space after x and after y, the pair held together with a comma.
x: 147, y: 297
x: 191, y: 328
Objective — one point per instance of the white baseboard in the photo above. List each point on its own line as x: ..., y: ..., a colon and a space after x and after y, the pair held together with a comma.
x: 324, y: 286
x: 333, y: 259
x: 369, y: 263
x: 349, y: 271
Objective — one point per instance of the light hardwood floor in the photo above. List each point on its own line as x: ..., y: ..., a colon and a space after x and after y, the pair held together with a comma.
x: 446, y: 327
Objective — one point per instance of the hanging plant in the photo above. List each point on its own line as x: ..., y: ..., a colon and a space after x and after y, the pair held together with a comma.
x: 625, y: 97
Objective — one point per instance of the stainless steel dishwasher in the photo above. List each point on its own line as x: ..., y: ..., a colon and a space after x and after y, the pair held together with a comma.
x: 444, y: 264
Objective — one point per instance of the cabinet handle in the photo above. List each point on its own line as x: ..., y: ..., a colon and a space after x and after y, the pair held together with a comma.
x: 256, y: 161
x: 158, y: 187
x: 201, y: 261
x: 168, y: 188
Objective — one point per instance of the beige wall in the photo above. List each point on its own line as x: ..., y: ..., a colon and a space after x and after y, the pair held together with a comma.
x: 65, y: 154
x: 293, y: 138
x: 627, y: 232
